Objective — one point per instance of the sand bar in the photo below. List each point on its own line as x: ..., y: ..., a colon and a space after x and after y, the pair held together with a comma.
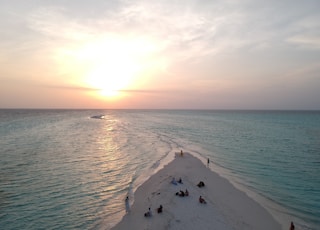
x: 226, y: 207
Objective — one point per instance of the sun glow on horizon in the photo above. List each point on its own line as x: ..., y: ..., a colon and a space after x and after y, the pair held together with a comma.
x: 116, y: 63
x: 113, y: 63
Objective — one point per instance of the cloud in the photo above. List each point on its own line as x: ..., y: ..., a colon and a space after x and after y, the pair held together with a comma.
x: 305, y: 41
x: 182, y: 31
x: 306, y: 32
x: 131, y: 91
x: 179, y: 29
x: 69, y: 87
x: 54, y: 23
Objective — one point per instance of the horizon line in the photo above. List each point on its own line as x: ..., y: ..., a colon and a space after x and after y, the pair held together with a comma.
x: 177, y: 109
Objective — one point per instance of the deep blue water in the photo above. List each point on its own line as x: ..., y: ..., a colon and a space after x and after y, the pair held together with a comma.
x: 61, y: 169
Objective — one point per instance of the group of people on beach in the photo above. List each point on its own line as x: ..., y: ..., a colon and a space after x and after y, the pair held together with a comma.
x: 201, y: 200
x: 146, y: 214
x: 186, y: 192
x: 182, y: 193
x: 149, y: 212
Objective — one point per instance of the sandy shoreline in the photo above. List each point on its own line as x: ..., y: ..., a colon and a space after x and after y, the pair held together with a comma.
x: 226, y: 207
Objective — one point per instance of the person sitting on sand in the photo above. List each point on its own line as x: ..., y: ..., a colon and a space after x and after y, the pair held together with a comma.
x: 173, y: 181
x: 181, y: 193
x: 148, y: 214
x: 186, y: 193
x: 159, y: 210
x: 201, y: 200
x: 200, y: 184
x: 180, y: 181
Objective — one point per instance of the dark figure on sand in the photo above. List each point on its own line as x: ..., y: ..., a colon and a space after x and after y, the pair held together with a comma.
x: 200, y: 184
x: 181, y: 193
x: 201, y: 200
x: 127, y: 205
x: 159, y: 210
x: 148, y: 214
x: 291, y: 226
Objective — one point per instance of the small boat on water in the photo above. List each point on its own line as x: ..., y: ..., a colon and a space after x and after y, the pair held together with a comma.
x: 101, y: 116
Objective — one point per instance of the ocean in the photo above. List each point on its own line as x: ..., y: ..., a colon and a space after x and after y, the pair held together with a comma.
x: 72, y: 169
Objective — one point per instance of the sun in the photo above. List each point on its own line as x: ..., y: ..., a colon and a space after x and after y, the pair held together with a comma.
x: 112, y: 76
x: 108, y: 66
x: 113, y: 64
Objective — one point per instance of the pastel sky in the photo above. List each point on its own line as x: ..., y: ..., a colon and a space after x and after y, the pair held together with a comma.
x: 167, y: 54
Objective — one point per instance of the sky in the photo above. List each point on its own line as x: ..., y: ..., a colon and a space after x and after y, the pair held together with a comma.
x: 146, y: 54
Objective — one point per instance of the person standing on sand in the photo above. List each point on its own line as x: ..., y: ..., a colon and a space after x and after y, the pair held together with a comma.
x: 127, y: 205
x: 181, y: 153
x: 291, y: 226
x: 159, y: 210
x: 208, y: 162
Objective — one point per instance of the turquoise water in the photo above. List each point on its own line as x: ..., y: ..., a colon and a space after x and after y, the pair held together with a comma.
x: 61, y: 169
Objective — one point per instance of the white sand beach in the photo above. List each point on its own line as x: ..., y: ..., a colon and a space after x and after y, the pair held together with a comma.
x: 226, y: 207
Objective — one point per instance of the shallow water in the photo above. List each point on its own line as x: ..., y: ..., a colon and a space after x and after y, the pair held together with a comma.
x: 62, y: 169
